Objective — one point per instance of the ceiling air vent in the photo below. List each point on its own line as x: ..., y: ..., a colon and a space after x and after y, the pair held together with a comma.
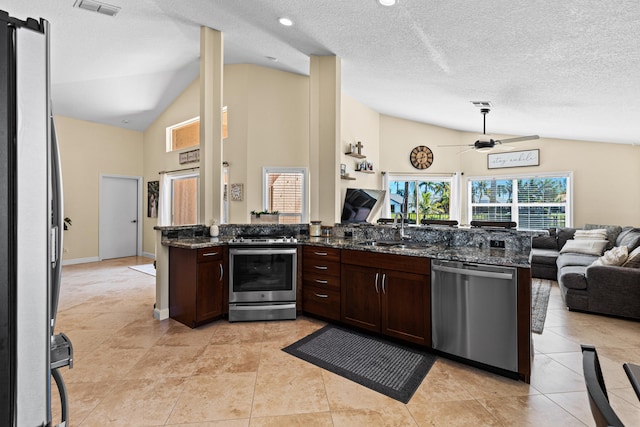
x: 482, y: 104
x: 95, y: 6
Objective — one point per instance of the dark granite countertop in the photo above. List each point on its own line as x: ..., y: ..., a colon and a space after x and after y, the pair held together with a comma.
x: 503, y: 257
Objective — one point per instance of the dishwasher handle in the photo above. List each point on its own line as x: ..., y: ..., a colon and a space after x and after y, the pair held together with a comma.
x: 470, y: 272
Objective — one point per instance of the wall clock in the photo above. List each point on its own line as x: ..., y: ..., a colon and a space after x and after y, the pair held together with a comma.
x: 421, y: 157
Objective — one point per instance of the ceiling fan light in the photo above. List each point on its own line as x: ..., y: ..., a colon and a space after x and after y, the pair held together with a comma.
x: 484, y: 149
x: 387, y: 2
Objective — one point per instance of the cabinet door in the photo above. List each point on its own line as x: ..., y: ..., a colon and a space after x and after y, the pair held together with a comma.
x: 360, y: 302
x: 209, y: 293
x: 405, y: 306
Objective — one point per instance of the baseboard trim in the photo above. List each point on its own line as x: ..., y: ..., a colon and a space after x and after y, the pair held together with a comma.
x: 151, y: 255
x: 160, y: 314
x: 80, y: 260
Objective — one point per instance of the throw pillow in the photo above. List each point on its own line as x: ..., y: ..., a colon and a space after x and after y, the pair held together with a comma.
x: 598, y: 234
x: 633, y: 261
x: 616, y: 256
x: 629, y: 237
x: 612, y: 232
x: 588, y: 247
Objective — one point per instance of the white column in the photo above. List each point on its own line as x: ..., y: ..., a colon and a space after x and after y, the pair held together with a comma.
x: 211, y: 80
x: 324, y: 138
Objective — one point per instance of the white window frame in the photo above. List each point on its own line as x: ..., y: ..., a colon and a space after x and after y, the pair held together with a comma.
x: 454, y: 190
x: 305, y: 188
x: 514, y: 204
x: 169, y: 137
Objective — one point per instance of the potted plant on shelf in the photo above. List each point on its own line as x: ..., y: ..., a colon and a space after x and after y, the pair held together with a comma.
x: 265, y: 217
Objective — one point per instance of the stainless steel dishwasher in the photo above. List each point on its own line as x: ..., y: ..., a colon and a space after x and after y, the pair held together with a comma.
x: 474, y: 312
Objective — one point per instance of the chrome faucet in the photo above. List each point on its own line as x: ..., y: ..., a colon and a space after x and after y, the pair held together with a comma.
x: 402, y: 235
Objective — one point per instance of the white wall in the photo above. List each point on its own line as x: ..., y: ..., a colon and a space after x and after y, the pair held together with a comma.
x: 88, y: 150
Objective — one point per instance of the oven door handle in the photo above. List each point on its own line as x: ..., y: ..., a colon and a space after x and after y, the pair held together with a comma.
x: 262, y: 251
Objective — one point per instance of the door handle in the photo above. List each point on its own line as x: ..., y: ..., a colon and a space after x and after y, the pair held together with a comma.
x: 321, y: 253
x: 321, y: 295
x: 221, y: 271
x: 134, y: 221
x: 321, y: 267
x: 376, y: 284
x: 323, y: 282
x: 384, y: 279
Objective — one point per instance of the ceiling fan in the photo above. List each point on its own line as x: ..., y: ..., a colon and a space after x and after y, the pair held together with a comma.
x: 484, y: 145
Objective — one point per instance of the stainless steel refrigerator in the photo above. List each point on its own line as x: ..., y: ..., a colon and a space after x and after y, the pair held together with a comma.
x: 30, y: 230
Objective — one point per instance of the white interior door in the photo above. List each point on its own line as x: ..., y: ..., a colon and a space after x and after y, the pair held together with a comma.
x: 119, y: 217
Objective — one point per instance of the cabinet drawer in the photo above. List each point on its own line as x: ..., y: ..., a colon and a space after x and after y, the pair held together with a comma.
x: 321, y: 280
x: 210, y: 254
x: 325, y: 268
x: 321, y: 254
x: 321, y: 302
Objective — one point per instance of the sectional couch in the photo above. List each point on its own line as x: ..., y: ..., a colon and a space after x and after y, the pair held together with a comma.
x: 606, y: 287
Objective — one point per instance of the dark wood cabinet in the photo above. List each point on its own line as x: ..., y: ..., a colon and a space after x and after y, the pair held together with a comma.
x: 321, y: 282
x: 196, y: 284
x: 387, y: 293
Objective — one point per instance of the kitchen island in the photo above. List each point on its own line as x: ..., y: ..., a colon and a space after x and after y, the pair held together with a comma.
x: 400, y: 305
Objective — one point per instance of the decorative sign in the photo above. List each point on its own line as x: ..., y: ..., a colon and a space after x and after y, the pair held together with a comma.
x: 189, y: 156
x: 514, y: 159
x: 237, y: 192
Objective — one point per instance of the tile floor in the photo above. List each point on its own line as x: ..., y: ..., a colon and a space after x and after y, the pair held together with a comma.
x: 131, y: 370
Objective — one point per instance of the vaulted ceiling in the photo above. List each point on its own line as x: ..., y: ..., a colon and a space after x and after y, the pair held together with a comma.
x: 560, y: 69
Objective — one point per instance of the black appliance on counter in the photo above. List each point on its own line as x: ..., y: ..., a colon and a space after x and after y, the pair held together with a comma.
x: 262, y: 281
x: 30, y: 230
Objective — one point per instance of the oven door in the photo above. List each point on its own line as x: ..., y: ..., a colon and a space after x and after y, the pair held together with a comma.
x: 262, y: 274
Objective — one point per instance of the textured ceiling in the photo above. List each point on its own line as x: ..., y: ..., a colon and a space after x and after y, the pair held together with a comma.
x: 560, y: 69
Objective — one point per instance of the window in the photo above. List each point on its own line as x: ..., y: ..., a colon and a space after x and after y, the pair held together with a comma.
x: 285, y: 191
x: 184, y: 199
x: 421, y: 197
x: 183, y: 135
x: 534, y: 203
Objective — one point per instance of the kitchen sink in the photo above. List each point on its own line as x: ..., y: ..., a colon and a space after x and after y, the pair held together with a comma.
x: 401, y: 244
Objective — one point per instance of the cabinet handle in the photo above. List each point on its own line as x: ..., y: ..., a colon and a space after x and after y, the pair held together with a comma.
x: 221, y: 271
x: 376, y: 284
x: 321, y: 267
x: 210, y: 254
x: 321, y: 295
x: 384, y: 279
x: 321, y: 253
x: 324, y: 282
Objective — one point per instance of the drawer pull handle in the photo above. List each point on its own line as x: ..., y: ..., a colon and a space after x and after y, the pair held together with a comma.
x: 324, y: 282
x: 321, y: 253
x: 321, y: 267
x: 210, y: 254
x: 321, y: 295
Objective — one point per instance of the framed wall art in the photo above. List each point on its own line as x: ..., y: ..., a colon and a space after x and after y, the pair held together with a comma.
x: 237, y: 191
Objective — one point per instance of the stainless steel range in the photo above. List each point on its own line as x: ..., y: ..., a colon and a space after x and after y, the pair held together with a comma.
x: 262, y: 283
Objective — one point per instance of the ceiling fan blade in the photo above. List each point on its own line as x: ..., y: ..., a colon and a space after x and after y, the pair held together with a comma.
x: 517, y: 139
x: 457, y: 145
x: 464, y: 151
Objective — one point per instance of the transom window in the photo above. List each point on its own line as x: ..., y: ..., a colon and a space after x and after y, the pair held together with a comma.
x: 285, y: 191
x: 537, y: 202
x: 183, y: 135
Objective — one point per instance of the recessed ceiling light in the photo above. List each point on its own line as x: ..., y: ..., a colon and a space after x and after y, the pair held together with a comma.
x: 387, y: 2
x: 96, y: 6
x: 285, y: 21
